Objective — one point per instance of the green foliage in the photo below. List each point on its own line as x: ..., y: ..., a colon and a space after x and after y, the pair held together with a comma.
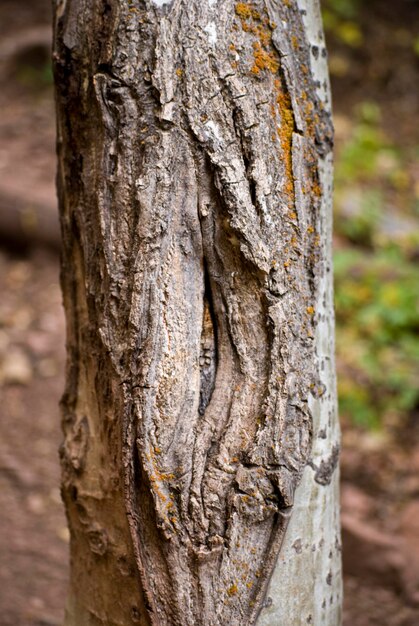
x: 377, y: 311
x: 340, y: 20
x: 344, y: 9
x: 359, y: 157
x: 376, y: 275
x: 32, y: 67
x: 34, y: 76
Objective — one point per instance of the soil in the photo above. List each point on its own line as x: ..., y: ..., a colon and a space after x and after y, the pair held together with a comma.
x: 380, y: 490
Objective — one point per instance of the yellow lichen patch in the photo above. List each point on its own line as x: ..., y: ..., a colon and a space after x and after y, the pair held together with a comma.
x: 316, y: 189
x: 179, y: 72
x: 310, y: 310
x: 246, y: 11
x: 243, y: 10
x: 263, y: 32
x: 285, y: 131
x: 264, y: 60
x: 232, y: 591
x: 155, y: 483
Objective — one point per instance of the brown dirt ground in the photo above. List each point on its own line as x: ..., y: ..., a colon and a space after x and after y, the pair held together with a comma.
x: 380, y: 476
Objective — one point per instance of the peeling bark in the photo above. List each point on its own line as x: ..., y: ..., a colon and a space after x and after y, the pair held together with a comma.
x: 191, y: 142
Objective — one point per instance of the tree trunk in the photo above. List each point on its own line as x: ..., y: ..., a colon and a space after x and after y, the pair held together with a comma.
x: 194, y: 144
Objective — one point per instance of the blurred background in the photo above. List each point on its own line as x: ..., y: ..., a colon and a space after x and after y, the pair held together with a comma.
x: 374, y: 65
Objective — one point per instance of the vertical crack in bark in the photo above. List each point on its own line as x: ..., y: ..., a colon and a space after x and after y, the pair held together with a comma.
x: 208, y: 354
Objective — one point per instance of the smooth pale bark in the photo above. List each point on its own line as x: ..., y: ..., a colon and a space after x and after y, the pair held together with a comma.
x: 199, y: 416
x: 310, y: 557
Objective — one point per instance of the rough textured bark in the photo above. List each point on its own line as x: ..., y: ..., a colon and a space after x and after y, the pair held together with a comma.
x: 194, y: 149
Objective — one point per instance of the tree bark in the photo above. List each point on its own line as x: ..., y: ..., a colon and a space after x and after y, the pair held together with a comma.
x: 199, y: 417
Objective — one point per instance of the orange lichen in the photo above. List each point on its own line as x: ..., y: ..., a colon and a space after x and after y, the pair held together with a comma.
x: 264, y: 60
x: 310, y: 310
x: 245, y: 11
x: 232, y: 591
x: 285, y: 132
x: 316, y: 189
x: 264, y: 34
